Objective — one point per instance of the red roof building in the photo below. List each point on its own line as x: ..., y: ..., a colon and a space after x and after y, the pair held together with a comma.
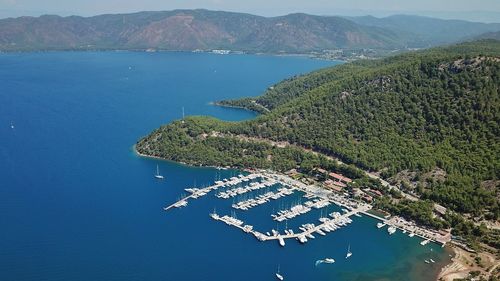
x: 337, y: 186
x: 340, y: 177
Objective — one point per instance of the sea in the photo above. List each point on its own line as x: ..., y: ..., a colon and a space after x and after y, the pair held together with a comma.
x: 76, y: 202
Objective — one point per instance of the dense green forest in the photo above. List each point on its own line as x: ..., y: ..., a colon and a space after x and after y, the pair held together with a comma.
x: 193, y: 141
x: 416, y: 112
x: 413, y: 114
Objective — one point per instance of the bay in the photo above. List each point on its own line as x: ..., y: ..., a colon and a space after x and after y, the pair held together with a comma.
x: 76, y: 203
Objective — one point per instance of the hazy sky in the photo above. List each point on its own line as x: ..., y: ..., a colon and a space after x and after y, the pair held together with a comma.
x: 484, y: 10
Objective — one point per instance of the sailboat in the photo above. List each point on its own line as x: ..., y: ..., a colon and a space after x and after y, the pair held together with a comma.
x: 348, y: 252
x: 278, y: 275
x: 158, y: 176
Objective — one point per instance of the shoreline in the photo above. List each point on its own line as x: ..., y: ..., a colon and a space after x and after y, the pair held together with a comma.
x: 457, y: 269
x: 464, y: 263
x: 99, y: 50
x: 137, y: 153
x: 214, y: 103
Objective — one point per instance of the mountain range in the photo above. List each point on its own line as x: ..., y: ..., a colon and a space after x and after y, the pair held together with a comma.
x: 190, y: 30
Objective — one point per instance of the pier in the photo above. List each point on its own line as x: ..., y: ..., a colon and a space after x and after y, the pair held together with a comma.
x: 242, y: 190
x: 307, y: 230
x: 200, y: 192
x: 262, y: 199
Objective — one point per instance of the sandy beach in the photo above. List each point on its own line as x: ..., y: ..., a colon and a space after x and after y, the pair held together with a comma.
x: 458, y: 268
x: 464, y: 262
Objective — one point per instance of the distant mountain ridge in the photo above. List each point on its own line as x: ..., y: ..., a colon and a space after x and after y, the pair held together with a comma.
x: 489, y: 35
x: 191, y: 30
x: 421, y: 31
x: 206, y: 30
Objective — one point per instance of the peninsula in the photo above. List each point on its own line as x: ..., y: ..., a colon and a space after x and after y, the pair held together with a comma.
x: 417, y: 133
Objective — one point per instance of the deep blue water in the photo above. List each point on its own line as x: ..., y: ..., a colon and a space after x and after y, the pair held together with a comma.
x: 77, y: 204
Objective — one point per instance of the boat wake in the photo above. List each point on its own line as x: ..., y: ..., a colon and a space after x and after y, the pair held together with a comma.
x: 318, y: 262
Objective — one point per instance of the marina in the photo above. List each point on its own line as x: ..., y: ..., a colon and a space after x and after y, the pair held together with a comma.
x: 244, y: 186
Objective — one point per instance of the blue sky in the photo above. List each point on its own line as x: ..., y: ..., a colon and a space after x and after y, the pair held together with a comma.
x: 478, y: 10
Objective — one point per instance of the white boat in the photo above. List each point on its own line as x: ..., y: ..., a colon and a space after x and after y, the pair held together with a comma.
x: 424, y: 242
x: 282, y: 241
x: 158, y: 176
x: 302, y: 239
x: 214, y: 215
x: 320, y: 232
x: 433, y: 261
x: 391, y: 230
x: 11, y: 125
x: 278, y: 275
x: 411, y: 234
x: 426, y: 261
x: 348, y: 252
x: 380, y: 225
x: 310, y: 236
x: 328, y: 260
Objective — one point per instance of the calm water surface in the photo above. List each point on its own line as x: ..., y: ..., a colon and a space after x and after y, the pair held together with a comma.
x: 77, y: 204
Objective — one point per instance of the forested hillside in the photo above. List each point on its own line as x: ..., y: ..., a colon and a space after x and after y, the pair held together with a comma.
x: 427, y: 120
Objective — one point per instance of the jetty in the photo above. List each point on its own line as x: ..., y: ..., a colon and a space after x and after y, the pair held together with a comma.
x: 307, y: 230
x: 200, y: 192
x: 262, y: 199
x: 413, y: 230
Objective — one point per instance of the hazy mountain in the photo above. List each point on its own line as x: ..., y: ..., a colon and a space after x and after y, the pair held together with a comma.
x: 190, y: 30
x: 424, y: 31
x: 489, y: 35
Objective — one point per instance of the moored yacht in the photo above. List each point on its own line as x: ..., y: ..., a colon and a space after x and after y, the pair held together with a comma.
x: 391, y: 229
x: 424, y: 242
x: 282, y: 241
x: 214, y: 216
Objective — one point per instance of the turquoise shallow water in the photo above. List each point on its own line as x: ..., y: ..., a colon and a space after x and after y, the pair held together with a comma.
x: 77, y: 204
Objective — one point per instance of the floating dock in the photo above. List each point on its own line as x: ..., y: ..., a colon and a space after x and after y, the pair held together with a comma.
x: 200, y: 192
x: 307, y: 230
